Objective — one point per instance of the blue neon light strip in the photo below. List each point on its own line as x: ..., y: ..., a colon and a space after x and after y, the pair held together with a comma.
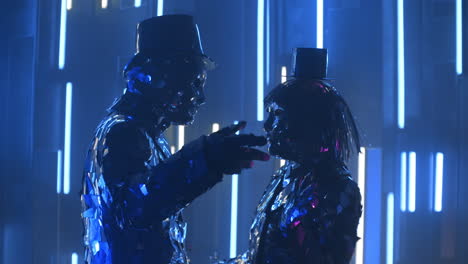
x: 439, y: 182
x: 137, y: 3
x: 59, y: 171
x: 459, y: 48
x: 67, y: 143
x: 74, y: 258
x: 63, y: 34
x: 260, y: 57
x: 390, y: 227
x: 267, y: 40
x: 160, y: 10
x: 412, y: 182
x: 234, y: 198
x: 403, y: 181
x: 320, y: 24
x: 401, y: 65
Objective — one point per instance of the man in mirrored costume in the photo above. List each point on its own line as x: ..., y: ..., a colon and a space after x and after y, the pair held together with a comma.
x: 133, y: 189
x: 310, y: 211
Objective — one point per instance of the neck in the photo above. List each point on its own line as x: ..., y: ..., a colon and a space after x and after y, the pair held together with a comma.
x: 141, y: 110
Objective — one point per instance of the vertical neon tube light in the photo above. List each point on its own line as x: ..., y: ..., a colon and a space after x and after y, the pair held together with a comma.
x: 63, y: 34
x: 234, y: 200
x: 362, y: 187
x: 267, y: 40
x: 390, y: 227
x: 59, y: 171
x: 74, y: 258
x: 181, y: 137
x: 173, y: 149
x: 67, y: 143
x: 160, y: 9
x: 439, y: 182
x: 320, y: 24
x: 137, y: 3
x: 459, y: 40
x: 215, y: 127
x: 403, y: 181
x: 260, y: 57
x: 412, y: 182
x: 401, y: 64
x: 104, y: 4
x: 69, y: 4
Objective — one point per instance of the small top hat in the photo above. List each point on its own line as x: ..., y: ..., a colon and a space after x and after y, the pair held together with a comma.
x: 310, y: 63
x: 164, y: 37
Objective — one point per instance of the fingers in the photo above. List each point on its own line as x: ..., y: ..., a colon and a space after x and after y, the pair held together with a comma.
x: 232, y: 129
x: 246, y: 140
x: 249, y: 154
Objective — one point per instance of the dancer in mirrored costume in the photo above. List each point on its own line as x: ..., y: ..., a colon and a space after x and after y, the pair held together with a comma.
x: 310, y: 211
x: 133, y: 189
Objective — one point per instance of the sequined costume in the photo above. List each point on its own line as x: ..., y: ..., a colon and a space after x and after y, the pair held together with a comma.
x: 133, y: 190
x: 310, y: 211
x: 132, y: 208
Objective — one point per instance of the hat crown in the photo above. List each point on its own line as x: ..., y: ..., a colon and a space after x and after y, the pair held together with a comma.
x: 310, y: 63
x: 167, y: 35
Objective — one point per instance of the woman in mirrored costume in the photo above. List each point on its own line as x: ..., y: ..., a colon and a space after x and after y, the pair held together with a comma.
x: 134, y: 190
x: 310, y: 211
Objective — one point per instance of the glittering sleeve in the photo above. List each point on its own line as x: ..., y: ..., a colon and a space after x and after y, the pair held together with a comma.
x: 326, y: 231
x: 144, y: 195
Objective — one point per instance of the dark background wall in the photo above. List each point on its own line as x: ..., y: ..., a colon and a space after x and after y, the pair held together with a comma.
x: 37, y: 225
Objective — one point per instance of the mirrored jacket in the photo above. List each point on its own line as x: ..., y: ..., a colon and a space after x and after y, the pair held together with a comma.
x: 134, y: 192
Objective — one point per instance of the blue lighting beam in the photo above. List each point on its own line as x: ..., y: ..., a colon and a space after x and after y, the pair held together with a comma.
x: 390, y: 227
x: 412, y: 182
x: 160, y: 10
x: 234, y: 199
x: 459, y: 48
x: 401, y: 64
x: 439, y: 182
x: 67, y: 143
x: 137, y: 3
x: 320, y: 24
x: 260, y: 57
x: 63, y: 34
x: 403, y: 181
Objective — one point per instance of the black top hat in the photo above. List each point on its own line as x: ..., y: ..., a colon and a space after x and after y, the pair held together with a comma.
x: 167, y: 36
x: 310, y: 63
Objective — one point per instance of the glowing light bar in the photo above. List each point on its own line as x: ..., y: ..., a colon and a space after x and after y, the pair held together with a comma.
x: 412, y: 182
x: 160, y: 9
x: 104, y: 4
x: 173, y: 150
x: 69, y: 4
x: 67, y: 143
x: 390, y: 227
x: 284, y: 74
x: 181, y: 137
x: 63, y: 34
x: 401, y: 64
x: 362, y: 187
x: 260, y: 57
x: 403, y: 180
x: 320, y: 24
x: 215, y: 127
x: 439, y: 182
x: 74, y: 258
x: 267, y: 44
x: 234, y: 198
x: 137, y: 3
x: 459, y: 25
x: 59, y: 171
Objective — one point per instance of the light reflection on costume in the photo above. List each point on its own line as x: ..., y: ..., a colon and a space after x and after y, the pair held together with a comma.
x: 134, y: 191
x: 310, y: 211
